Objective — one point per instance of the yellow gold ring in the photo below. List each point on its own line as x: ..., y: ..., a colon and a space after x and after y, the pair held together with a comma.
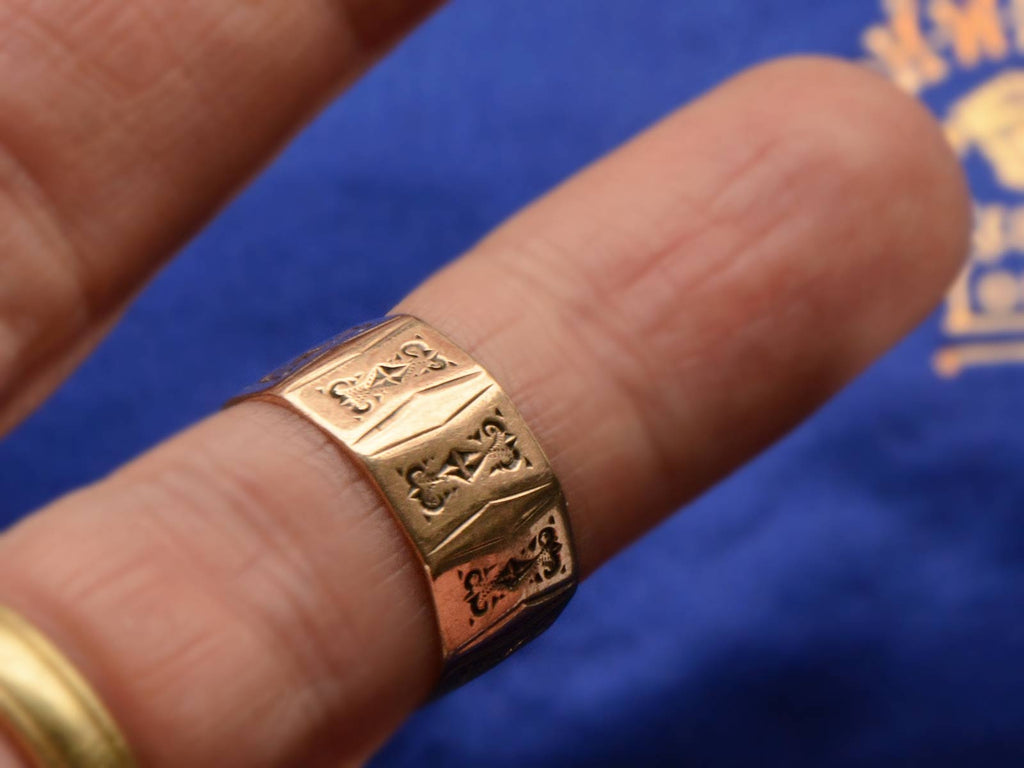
x: 49, y: 709
x: 458, y: 467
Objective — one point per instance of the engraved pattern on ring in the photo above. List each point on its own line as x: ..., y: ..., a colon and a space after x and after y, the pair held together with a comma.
x: 459, y: 468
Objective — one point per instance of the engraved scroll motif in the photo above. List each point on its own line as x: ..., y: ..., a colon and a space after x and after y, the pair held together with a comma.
x: 362, y: 392
x: 492, y: 448
x: 537, y: 562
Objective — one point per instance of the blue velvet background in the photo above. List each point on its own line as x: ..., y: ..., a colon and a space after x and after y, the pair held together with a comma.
x: 852, y: 598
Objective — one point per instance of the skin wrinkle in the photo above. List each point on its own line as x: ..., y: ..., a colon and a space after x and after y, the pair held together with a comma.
x: 788, y: 145
x: 584, y: 359
x: 98, y: 119
x: 57, y: 45
x: 20, y: 190
x: 191, y: 652
x: 23, y: 185
x: 171, y: 57
x: 617, y: 359
x: 135, y: 52
x: 536, y: 406
x: 785, y: 224
x: 88, y: 648
x: 303, y: 637
x: 282, y: 572
x: 353, y: 485
x: 747, y: 243
x: 138, y: 106
x: 704, y: 213
x: 613, y: 358
x: 285, y: 646
x: 633, y: 390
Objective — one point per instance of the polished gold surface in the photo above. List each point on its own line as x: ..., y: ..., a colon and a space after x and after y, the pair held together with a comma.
x: 48, y: 708
x: 460, y: 470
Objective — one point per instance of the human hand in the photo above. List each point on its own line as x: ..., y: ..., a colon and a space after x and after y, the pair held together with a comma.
x: 659, y: 319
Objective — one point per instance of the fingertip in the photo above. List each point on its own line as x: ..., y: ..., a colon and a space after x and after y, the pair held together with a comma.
x: 892, y: 200
x: 889, y: 145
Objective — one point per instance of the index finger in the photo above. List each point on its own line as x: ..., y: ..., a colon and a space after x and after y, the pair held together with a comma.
x: 124, y: 125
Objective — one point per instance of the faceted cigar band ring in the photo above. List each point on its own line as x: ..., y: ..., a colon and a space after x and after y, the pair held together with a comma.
x: 460, y: 470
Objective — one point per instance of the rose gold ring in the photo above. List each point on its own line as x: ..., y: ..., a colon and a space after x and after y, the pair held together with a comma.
x: 458, y: 467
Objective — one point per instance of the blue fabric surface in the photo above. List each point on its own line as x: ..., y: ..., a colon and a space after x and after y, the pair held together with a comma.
x: 854, y: 597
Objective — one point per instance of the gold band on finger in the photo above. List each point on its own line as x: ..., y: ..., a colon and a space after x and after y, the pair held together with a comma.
x: 459, y: 469
x: 50, y: 710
